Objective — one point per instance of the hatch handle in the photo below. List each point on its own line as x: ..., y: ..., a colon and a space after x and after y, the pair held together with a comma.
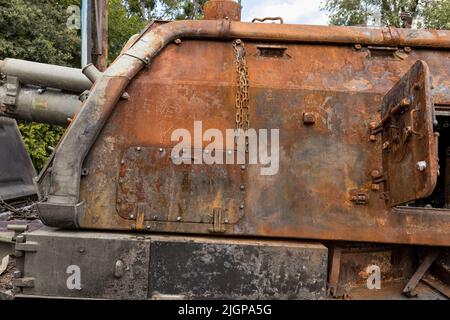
x: 269, y: 19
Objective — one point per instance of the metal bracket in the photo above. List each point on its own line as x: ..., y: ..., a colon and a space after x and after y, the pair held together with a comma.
x: 418, y: 275
x: 359, y: 196
x: 12, y: 90
x: 218, y: 217
x: 27, y: 282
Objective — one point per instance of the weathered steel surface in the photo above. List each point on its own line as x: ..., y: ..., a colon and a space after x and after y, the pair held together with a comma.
x: 111, y: 266
x: 222, y: 9
x: 410, y: 163
x: 319, y: 165
x: 131, y: 266
x: 16, y: 170
x: 148, y: 182
x: 238, y: 269
x: 324, y: 188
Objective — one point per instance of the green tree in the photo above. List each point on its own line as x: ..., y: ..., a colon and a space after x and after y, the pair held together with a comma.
x: 36, y: 31
x: 398, y: 13
x: 128, y: 17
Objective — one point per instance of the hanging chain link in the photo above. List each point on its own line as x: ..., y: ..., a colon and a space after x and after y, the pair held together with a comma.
x: 242, y: 97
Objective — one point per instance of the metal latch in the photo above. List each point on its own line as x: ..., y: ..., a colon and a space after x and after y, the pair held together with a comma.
x: 359, y: 197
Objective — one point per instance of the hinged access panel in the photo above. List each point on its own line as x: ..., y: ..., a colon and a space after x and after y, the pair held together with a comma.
x: 409, y: 146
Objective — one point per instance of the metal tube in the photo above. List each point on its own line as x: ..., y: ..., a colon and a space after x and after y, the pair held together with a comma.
x: 50, y: 106
x: 86, y: 35
x: 91, y: 72
x: 66, y: 172
x: 46, y: 75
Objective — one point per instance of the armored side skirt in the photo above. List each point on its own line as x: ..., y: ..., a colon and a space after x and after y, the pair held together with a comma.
x: 56, y: 263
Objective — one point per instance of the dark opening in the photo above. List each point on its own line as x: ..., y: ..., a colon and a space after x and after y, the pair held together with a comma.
x: 440, y: 198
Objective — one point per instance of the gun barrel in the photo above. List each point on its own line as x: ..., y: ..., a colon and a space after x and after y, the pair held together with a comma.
x: 46, y: 75
x: 49, y: 106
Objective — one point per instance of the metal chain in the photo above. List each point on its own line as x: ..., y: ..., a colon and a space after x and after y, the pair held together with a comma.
x: 242, y: 97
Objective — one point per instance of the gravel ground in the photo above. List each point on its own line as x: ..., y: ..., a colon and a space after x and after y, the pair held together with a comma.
x: 6, y: 277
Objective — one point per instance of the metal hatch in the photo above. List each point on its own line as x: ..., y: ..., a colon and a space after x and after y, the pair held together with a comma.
x: 409, y: 146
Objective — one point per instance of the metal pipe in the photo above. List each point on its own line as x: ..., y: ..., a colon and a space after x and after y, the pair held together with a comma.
x: 91, y: 72
x: 49, y: 106
x: 86, y: 32
x: 66, y: 169
x: 46, y: 75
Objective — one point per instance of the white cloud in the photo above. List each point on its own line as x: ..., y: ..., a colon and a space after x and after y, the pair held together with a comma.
x: 292, y: 11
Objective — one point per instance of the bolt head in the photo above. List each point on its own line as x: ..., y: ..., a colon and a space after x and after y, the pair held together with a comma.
x: 138, y: 148
x: 178, y: 218
x: 309, y: 118
x: 421, y: 166
x: 161, y: 150
x: 241, y: 206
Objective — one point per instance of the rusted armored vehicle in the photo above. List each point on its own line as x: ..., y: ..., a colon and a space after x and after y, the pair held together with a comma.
x: 352, y: 185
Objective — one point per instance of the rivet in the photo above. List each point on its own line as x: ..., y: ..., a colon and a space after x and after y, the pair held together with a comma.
x: 373, y: 138
x: 161, y: 149
x: 138, y: 148
x: 148, y: 227
x: 155, y: 217
x: 132, y: 216
x: 242, y: 167
x: 358, y: 46
x: 178, y: 41
x: 125, y: 96
x: 122, y: 162
x: 375, y: 174
x: 407, y: 49
x: 178, y: 218
x: 241, y: 206
x: 206, y: 151
x: 230, y: 152
x: 242, y: 187
x: 225, y: 221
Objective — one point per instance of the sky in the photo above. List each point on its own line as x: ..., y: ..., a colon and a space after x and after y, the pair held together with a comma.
x: 292, y: 11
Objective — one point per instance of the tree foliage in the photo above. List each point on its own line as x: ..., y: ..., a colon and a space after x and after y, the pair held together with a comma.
x: 37, y: 31
x: 422, y: 13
